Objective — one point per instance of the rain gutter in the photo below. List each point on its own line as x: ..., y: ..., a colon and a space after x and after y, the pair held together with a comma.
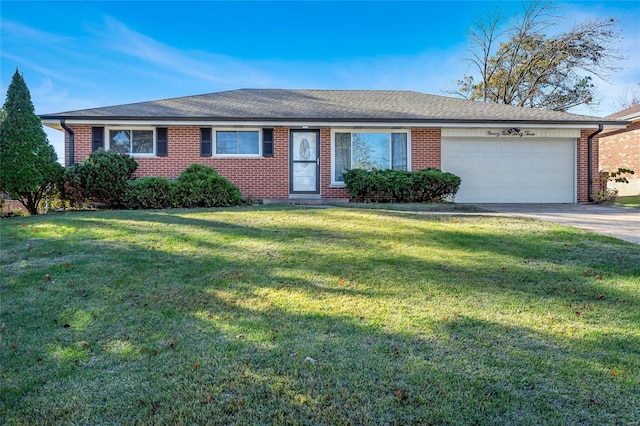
x: 71, y: 141
x: 590, y: 161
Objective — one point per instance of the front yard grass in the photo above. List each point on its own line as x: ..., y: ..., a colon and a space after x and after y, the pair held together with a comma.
x: 289, y: 315
x: 415, y: 207
x: 632, y: 201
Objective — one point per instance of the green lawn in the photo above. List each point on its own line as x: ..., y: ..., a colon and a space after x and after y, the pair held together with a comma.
x: 628, y: 201
x: 288, y: 315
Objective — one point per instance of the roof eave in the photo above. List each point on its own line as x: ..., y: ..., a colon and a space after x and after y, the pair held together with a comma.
x: 53, y: 120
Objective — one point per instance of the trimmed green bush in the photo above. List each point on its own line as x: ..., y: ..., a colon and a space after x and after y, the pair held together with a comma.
x: 433, y: 185
x: 101, y: 177
x: 427, y: 185
x: 359, y: 183
x: 150, y: 193
x: 202, y: 186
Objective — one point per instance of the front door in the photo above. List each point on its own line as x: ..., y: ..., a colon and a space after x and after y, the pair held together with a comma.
x: 304, y: 167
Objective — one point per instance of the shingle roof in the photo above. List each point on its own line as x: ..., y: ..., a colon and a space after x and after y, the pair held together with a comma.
x: 628, y: 113
x: 323, y: 105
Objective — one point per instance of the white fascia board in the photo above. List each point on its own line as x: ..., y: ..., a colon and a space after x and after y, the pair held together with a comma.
x: 55, y: 123
x: 630, y: 117
x: 204, y: 123
x: 523, y: 124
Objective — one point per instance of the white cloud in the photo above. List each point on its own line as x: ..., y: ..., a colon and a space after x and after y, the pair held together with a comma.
x: 211, y: 68
x: 15, y: 29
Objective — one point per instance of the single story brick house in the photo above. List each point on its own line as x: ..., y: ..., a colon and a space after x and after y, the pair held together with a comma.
x: 621, y: 148
x: 283, y: 144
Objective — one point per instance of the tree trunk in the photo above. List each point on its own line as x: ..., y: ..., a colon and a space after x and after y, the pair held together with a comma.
x: 31, y: 205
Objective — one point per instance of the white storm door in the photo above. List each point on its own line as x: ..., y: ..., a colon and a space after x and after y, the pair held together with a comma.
x: 304, y: 167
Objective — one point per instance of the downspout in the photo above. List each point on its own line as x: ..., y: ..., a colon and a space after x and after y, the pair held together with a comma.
x: 71, y: 141
x: 590, y: 161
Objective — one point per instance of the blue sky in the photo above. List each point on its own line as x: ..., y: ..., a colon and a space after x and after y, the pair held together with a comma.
x: 77, y: 54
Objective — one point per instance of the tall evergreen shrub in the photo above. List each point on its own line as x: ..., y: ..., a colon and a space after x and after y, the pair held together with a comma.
x: 29, y: 168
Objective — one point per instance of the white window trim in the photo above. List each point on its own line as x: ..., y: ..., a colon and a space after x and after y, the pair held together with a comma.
x: 365, y: 130
x: 107, y: 144
x: 235, y: 129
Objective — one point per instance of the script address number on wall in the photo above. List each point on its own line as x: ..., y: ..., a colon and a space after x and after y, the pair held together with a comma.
x: 510, y: 132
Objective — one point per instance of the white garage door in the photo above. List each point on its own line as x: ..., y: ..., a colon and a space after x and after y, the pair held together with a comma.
x: 512, y: 170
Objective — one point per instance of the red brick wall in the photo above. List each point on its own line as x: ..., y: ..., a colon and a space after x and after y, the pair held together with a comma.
x: 260, y: 177
x: 269, y: 177
x: 81, y: 145
x: 425, y: 152
x: 256, y: 177
x: 621, y: 148
x: 12, y: 206
x: 425, y: 148
x: 326, y: 189
x: 583, y: 166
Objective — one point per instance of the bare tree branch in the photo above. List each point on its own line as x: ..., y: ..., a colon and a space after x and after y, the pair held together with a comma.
x: 519, y: 64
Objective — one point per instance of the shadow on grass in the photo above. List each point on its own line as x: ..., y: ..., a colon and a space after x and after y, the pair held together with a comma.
x: 566, y: 261
x: 201, y: 336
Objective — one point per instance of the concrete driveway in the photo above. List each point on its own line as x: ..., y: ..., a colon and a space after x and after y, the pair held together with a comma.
x: 618, y: 222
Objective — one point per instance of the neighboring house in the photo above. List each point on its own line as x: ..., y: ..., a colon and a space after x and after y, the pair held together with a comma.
x: 283, y: 144
x: 9, y: 205
x: 621, y: 148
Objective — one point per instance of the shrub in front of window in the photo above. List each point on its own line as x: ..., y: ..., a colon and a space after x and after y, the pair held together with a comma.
x: 359, y: 183
x: 202, y: 186
x: 99, y: 178
x: 149, y: 193
x: 378, y: 185
x: 433, y: 185
x: 428, y: 185
x: 397, y: 184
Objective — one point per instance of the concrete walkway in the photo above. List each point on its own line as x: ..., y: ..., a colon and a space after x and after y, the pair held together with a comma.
x: 618, y: 222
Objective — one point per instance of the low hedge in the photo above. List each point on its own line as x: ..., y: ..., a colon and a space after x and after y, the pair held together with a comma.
x: 105, y: 177
x: 202, y: 186
x: 150, y: 193
x: 197, y: 186
x: 427, y: 185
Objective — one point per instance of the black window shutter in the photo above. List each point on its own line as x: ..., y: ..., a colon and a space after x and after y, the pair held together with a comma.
x: 97, y: 138
x: 267, y: 142
x: 205, y: 143
x: 162, y: 141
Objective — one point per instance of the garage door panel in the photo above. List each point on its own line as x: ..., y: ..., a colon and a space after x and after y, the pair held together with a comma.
x: 555, y: 162
x: 548, y: 179
x: 561, y: 148
x: 522, y: 147
x: 512, y: 171
x: 540, y: 147
x: 505, y: 147
x: 526, y: 178
x: 479, y: 147
x: 504, y: 178
x: 521, y: 162
x: 544, y: 163
x: 487, y: 179
x: 490, y: 160
x: 506, y: 160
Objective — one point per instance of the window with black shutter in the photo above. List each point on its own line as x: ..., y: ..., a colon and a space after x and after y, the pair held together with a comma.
x: 205, y: 143
x: 267, y: 142
x: 97, y: 138
x: 162, y: 141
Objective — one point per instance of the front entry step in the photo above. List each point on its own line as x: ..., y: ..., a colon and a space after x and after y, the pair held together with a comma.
x: 305, y: 201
